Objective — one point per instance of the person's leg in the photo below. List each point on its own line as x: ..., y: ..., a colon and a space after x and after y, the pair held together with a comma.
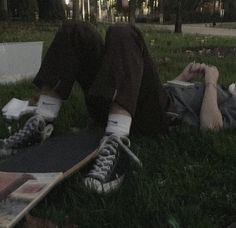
x: 131, y: 91
x: 129, y: 78
x: 75, y: 54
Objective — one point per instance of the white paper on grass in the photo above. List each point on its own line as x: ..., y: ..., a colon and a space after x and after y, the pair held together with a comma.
x: 19, y: 60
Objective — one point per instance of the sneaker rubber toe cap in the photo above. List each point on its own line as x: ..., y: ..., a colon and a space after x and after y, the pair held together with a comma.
x: 99, y: 187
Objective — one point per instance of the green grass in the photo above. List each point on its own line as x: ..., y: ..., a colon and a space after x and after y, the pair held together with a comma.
x: 188, y: 179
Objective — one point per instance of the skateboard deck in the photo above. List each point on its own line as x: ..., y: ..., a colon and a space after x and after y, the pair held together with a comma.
x: 27, y: 177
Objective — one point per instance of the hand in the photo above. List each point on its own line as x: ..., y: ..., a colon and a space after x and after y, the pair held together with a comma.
x: 191, y: 71
x: 211, y: 75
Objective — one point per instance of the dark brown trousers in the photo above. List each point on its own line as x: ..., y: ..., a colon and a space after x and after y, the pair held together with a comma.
x: 121, y: 66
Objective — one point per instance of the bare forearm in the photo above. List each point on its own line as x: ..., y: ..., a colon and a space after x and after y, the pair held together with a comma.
x: 180, y: 77
x: 210, y: 115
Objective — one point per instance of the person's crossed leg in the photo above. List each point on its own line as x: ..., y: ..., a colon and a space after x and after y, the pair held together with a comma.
x: 122, y: 91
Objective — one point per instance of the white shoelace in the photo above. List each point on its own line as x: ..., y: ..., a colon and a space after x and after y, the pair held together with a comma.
x: 107, y: 154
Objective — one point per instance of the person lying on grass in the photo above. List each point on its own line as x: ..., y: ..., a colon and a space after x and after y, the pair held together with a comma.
x: 123, y: 93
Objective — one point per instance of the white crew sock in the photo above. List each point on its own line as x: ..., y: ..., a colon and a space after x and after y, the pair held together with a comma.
x: 118, y: 124
x: 48, y: 107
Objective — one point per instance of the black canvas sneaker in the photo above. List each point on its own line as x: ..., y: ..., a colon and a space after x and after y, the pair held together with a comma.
x: 34, y: 131
x: 109, y: 168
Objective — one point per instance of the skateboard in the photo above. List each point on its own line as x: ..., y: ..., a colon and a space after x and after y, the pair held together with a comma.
x: 27, y: 177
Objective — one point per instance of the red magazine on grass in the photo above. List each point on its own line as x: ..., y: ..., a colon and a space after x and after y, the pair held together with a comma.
x: 9, y: 182
x: 19, y: 192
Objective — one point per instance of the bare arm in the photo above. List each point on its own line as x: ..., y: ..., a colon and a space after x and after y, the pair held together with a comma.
x: 210, y: 115
x: 191, y: 71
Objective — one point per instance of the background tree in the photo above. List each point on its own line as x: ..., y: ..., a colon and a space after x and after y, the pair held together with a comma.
x: 178, y: 20
x: 214, y: 13
x: 58, y: 9
x: 132, y: 9
x: 23, y: 9
x: 51, y: 10
x: 121, y: 10
x: 28, y: 9
x: 161, y: 11
x: 3, y: 9
x: 76, y: 10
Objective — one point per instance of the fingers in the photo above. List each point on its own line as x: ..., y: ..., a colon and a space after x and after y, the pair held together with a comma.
x: 197, y: 67
x: 201, y: 67
x: 212, y: 74
x: 212, y: 69
x: 194, y: 67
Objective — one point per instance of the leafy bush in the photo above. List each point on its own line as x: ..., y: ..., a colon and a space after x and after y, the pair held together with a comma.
x: 51, y: 10
x: 23, y: 9
x: 28, y: 9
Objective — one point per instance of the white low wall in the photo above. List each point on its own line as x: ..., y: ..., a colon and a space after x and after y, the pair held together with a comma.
x: 19, y: 60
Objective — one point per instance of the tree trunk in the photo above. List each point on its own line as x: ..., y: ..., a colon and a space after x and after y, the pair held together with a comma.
x: 132, y: 8
x: 109, y: 10
x: 214, y: 14
x: 178, y: 22
x: 99, y: 10
x: 151, y: 8
x: 161, y: 11
x: 83, y: 9
x: 89, y: 11
x: 76, y: 9
x: 4, y: 7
